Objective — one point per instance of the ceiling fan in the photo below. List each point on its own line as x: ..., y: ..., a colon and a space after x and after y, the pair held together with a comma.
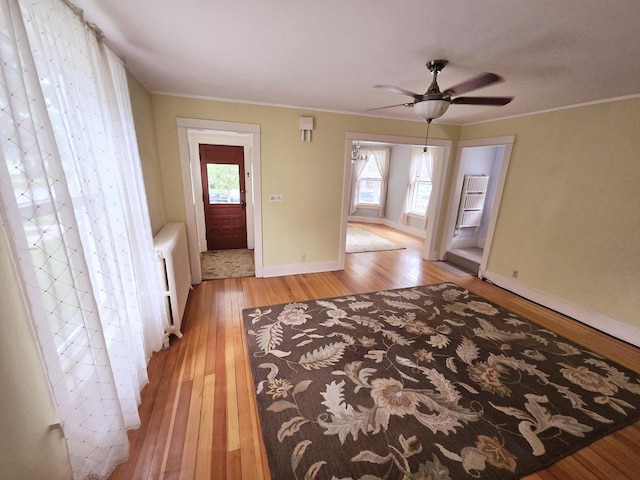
x: 434, y: 103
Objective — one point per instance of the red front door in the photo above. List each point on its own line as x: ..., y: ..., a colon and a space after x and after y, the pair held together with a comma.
x: 223, y: 191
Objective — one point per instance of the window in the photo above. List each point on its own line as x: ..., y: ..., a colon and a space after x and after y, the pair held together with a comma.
x: 370, y: 184
x: 369, y: 180
x: 421, y: 183
x: 224, y: 183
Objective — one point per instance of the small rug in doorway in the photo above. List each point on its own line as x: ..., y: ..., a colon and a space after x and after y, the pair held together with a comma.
x: 235, y: 263
x: 425, y: 382
x: 360, y: 240
x: 458, y: 272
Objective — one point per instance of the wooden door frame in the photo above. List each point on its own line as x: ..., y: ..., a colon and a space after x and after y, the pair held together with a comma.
x: 456, y: 187
x: 437, y: 194
x: 193, y: 131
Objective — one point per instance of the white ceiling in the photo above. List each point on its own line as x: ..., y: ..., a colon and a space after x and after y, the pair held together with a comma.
x: 328, y: 54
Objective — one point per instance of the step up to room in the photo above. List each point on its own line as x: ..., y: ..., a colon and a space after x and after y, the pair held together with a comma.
x: 466, y: 258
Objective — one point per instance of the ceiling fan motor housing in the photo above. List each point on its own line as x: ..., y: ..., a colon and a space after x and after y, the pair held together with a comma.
x: 430, y: 108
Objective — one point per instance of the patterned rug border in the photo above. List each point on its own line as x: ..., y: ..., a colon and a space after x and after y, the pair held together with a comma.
x: 544, y: 463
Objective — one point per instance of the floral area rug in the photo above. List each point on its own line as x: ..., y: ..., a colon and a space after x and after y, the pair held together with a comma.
x: 218, y: 264
x: 360, y: 240
x: 430, y: 382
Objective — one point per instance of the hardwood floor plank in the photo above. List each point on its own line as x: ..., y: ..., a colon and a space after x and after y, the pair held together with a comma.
x: 233, y: 434
x: 199, y: 415
x: 598, y: 464
x: 204, y: 444
x: 167, y: 415
x: 196, y: 361
x: 219, y: 452
x: 621, y: 455
x: 173, y: 465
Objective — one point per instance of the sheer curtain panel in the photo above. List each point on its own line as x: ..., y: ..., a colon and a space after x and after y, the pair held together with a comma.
x: 382, y: 162
x: 357, y: 170
x: 421, y: 168
x: 381, y: 159
x: 75, y: 214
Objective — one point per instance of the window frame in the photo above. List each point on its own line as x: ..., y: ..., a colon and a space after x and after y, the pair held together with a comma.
x: 416, y: 181
x: 414, y: 193
x: 377, y: 179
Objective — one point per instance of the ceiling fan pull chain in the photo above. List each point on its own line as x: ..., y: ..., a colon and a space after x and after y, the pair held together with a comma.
x: 426, y: 138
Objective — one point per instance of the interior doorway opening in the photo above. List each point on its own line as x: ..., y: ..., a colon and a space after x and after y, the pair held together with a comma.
x: 440, y: 166
x: 477, y: 185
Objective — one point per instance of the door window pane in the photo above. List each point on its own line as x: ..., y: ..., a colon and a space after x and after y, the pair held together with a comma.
x: 224, y: 183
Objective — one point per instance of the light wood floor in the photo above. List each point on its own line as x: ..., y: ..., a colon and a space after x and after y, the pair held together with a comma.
x: 199, y: 418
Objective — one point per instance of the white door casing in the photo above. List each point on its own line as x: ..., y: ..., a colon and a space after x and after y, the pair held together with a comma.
x: 192, y: 132
x: 454, y: 197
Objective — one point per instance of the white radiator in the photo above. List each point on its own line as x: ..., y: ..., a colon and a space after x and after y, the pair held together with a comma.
x: 474, y: 191
x: 172, y: 252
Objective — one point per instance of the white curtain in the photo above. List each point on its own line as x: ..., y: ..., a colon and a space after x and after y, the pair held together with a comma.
x: 358, y: 169
x: 416, y: 154
x: 382, y: 161
x: 75, y: 213
x: 421, y: 162
x: 429, y: 160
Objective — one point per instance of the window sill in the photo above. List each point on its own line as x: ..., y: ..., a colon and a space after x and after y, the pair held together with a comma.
x: 415, y: 215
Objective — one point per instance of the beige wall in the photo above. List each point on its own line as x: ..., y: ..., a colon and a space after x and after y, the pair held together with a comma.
x: 569, y: 221
x: 146, y: 135
x: 28, y: 448
x: 310, y: 175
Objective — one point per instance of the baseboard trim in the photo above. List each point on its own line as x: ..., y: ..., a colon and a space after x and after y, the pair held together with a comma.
x: 300, y: 268
x: 616, y: 328
x: 416, y: 232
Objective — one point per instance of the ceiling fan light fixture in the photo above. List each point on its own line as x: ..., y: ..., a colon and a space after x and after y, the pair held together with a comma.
x: 431, y: 108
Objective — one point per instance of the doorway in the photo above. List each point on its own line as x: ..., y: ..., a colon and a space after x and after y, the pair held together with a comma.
x: 478, y: 181
x: 439, y: 175
x: 224, y: 196
x: 191, y: 133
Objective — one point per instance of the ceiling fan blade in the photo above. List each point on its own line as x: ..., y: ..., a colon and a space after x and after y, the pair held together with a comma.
x: 482, y: 80
x: 497, y: 101
x: 401, y: 91
x: 389, y: 106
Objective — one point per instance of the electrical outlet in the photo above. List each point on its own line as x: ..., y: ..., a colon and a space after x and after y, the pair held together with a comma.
x: 276, y: 197
x: 515, y: 274
x: 303, y: 258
